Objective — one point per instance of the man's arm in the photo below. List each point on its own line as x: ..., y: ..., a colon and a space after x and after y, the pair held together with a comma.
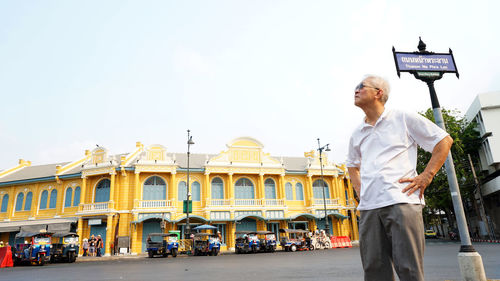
x: 355, y: 179
x: 420, y: 182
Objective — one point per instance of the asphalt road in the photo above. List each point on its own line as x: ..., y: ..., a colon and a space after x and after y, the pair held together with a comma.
x: 335, y: 264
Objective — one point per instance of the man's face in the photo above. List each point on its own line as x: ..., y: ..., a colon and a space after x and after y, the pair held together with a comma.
x: 364, y: 93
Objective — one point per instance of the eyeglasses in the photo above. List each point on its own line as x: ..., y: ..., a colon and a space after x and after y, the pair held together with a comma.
x: 361, y: 86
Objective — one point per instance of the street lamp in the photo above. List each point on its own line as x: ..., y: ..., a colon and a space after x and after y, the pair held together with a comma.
x: 320, y: 149
x: 188, y: 194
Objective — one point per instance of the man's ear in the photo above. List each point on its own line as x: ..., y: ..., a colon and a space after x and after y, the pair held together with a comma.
x: 379, y: 94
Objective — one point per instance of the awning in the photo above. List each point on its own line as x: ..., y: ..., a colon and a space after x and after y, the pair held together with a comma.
x: 53, y: 225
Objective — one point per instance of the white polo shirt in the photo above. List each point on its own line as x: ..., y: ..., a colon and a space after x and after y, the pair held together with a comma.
x: 387, y: 152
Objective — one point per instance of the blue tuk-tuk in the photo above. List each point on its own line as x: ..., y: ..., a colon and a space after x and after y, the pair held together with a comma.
x: 34, y: 250
x: 206, y: 244
x: 162, y: 244
x: 267, y: 241
x: 246, y: 242
x: 67, y: 248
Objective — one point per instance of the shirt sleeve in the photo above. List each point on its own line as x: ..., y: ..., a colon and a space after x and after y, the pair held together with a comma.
x: 353, y: 155
x: 425, y: 133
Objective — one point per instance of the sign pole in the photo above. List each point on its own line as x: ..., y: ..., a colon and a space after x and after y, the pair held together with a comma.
x: 470, y: 262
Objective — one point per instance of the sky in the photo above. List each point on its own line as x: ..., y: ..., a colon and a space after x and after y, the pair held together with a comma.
x: 74, y: 74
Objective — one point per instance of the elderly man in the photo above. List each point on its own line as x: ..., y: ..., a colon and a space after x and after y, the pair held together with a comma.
x: 382, y: 166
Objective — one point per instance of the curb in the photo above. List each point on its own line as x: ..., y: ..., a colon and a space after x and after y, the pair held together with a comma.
x: 484, y: 240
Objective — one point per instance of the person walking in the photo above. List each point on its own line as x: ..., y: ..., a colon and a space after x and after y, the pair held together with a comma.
x: 85, y: 246
x: 381, y: 162
x: 92, y: 244
x: 99, y: 245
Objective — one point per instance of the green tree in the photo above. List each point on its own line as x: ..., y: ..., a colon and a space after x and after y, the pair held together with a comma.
x: 466, y: 140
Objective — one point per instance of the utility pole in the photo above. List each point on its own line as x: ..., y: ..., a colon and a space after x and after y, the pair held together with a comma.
x: 477, y: 191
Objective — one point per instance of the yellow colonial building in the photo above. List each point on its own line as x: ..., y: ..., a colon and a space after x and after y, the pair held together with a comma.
x: 125, y: 197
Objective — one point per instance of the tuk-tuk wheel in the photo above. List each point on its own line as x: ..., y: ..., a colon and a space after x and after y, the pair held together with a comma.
x: 293, y: 248
x: 287, y: 248
x: 215, y: 252
x: 174, y: 253
x: 150, y: 254
x: 41, y: 260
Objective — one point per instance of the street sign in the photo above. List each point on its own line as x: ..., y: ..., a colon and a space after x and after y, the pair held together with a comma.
x: 421, y: 62
x: 184, y: 206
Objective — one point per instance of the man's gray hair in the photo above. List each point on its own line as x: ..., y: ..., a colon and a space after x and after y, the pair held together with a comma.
x: 381, y: 83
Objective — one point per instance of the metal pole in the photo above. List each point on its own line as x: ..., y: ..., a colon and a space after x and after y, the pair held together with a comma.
x: 470, y: 262
x: 188, y: 228
x: 320, y: 149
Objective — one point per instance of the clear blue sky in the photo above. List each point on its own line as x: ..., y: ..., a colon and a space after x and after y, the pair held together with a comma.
x: 74, y: 74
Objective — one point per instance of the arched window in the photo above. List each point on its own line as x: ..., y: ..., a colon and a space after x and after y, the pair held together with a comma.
x: 53, y: 199
x: 289, y: 191
x: 182, y: 191
x: 19, y: 201
x: 76, y: 198
x: 69, y: 194
x: 154, y: 189
x: 102, y: 191
x: 5, y: 203
x: 318, y: 193
x: 27, y: 203
x: 217, y: 189
x: 270, y: 189
x: 43, y: 200
x: 299, y: 191
x: 195, y: 191
x: 243, y: 189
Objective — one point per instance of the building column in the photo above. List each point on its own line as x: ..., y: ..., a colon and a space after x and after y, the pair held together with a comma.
x: 83, y: 191
x: 230, y: 189
x: 206, y: 193
x: 12, y: 201
x: 282, y: 187
x: 112, y: 190
x: 79, y: 231
x: 35, y: 200
x: 109, y: 235
x: 230, y: 236
x: 173, y: 189
x: 309, y: 192
x: 137, y: 190
x: 260, y: 188
x: 133, y: 242
x: 335, y: 192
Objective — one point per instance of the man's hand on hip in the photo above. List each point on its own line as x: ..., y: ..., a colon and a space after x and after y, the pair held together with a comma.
x: 419, y: 182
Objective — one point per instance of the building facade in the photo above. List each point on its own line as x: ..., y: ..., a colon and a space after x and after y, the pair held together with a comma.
x: 125, y: 197
x: 485, y: 110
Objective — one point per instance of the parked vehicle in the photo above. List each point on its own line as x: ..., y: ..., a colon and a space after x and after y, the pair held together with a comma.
x: 430, y: 234
x: 206, y: 244
x: 67, y: 249
x: 35, y: 250
x: 162, y: 244
x: 267, y: 241
x: 295, y: 239
x: 247, y: 241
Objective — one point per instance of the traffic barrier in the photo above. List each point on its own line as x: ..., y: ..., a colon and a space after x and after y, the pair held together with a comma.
x: 485, y: 240
x: 6, y: 257
x: 341, y: 242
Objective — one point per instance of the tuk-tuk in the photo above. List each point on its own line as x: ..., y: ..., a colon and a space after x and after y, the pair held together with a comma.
x: 162, y: 244
x: 67, y: 248
x: 34, y: 250
x: 206, y: 244
x: 267, y: 241
x: 246, y: 242
x: 295, y: 239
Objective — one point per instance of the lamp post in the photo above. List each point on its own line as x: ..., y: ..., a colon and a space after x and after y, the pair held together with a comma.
x: 320, y: 149
x: 188, y: 194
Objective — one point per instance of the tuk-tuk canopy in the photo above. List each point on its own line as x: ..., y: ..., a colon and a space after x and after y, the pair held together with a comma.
x: 205, y: 234
x: 265, y: 232
x: 204, y: 226
x: 163, y: 234
x: 31, y: 234
x: 286, y: 230
x: 246, y: 232
x: 64, y: 234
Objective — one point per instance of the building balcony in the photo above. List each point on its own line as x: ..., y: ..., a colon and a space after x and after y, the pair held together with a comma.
x: 153, y: 204
x: 329, y: 202
x: 225, y: 203
x: 96, y: 208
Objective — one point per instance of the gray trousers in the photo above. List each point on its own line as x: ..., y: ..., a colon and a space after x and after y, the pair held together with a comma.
x: 392, y: 236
